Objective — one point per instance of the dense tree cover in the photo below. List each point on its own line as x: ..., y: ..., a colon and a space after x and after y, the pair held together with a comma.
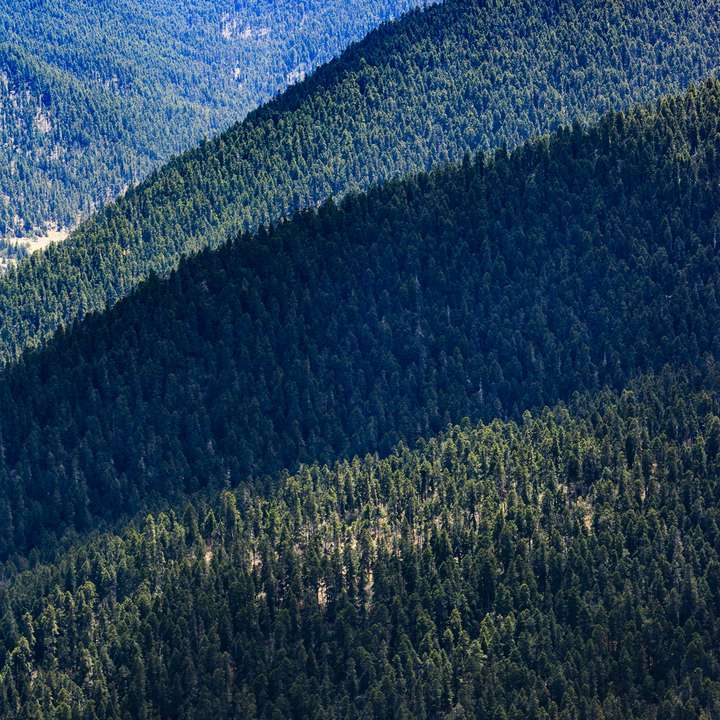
x: 565, y: 567
x: 461, y: 76
x: 480, y: 291
x: 95, y: 94
x: 10, y: 250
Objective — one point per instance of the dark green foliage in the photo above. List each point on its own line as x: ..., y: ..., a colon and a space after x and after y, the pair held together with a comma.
x: 567, y: 567
x: 564, y: 565
x: 477, y: 291
x: 93, y: 95
x: 459, y: 77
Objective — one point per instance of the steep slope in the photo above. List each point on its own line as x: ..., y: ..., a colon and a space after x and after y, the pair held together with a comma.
x: 567, y: 567
x: 94, y: 95
x: 461, y: 76
x: 478, y: 291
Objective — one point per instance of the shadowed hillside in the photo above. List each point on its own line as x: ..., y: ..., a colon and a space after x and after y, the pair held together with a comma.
x: 479, y: 290
x: 462, y: 76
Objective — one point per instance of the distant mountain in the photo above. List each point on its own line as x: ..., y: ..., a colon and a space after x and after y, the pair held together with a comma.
x: 567, y: 567
x: 93, y: 95
x: 480, y: 290
x: 459, y: 77
x: 443, y: 446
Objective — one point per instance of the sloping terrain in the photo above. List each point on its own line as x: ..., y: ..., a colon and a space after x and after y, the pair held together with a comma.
x: 462, y: 76
x: 93, y: 95
x: 480, y: 290
x: 567, y: 567
x: 277, y: 444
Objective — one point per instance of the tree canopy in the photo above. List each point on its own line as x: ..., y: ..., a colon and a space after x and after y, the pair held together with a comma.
x: 563, y: 567
x: 459, y: 77
x: 480, y: 290
x: 94, y: 95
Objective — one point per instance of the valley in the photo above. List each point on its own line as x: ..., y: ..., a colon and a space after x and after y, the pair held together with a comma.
x: 20, y: 247
x: 376, y: 376
x: 94, y: 97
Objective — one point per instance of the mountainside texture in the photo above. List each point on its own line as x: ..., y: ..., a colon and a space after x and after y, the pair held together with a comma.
x: 399, y: 400
x: 459, y: 77
x: 93, y: 95
x: 479, y: 290
x: 567, y: 567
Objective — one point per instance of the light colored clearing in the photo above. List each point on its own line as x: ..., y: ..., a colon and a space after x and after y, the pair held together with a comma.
x: 42, y: 123
x: 296, y: 76
x: 231, y: 29
x: 587, y: 513
x: 33, y: 244
x: 322, y: 594
x: 208, y: 557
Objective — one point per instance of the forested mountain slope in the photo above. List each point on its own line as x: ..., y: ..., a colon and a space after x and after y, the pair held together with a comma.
x: 479, y: 291
x: 567, y: 567
x: 465, y: 75
x: 93, y: 95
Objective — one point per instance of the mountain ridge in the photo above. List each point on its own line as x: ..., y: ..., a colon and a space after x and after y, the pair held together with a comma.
x: 314, y: 426
x: 121, y: 87
x: 479, y: 290
x: 441, y: 99
x: 565, y: 566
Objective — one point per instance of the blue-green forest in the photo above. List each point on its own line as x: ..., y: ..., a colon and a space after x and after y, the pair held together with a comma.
x: 399, y: 398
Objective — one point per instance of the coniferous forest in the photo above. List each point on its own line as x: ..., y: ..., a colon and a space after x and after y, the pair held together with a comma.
x: 480, y: 290
x: 564, y: 567
x: 398, y: 399
x: 464, y: 76
x: 94, y: 95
